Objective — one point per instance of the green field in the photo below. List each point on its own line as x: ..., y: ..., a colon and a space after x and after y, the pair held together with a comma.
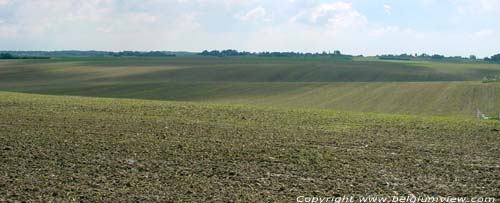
x: 239, y: 69
x: 93, y: 149
x: 408, y: 87
x: 245, y: 129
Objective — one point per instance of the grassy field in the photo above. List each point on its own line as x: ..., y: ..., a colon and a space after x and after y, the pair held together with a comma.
x: 238, y: 69
x: 62, y: 149
x: 419, y: 98
x: 404, y: 87
x: 193, y: 129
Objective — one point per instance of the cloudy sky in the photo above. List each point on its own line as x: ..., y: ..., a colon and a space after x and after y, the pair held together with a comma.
x: 369, y: 27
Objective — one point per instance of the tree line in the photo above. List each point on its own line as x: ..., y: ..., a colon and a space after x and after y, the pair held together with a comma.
x: 407, y: 57
x: 227, y: 53
x: 10, y: 56
x: 421, y: 56
x: 143, y: 54
x: 232, y: 52
x: 494, y: 58
x: 71, y: 53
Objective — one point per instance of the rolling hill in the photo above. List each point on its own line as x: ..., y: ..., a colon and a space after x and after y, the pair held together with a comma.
x: 430, y: 88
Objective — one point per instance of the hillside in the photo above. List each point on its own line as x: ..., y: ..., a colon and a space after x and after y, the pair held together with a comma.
x: 237, y: 69
x: 283, y: 82
x: 422, y: 98
x: 60, y: 148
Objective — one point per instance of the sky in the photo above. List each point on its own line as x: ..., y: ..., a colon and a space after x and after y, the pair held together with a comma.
x: 368, y: 27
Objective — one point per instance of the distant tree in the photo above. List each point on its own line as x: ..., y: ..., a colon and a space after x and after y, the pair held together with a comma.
x: 472, y: 57
x: 6, y: 56
x: 495, y: 58
x: 437, y: 57
x: 141, y: 54
x: 424, y: 55
x: 231, y: 52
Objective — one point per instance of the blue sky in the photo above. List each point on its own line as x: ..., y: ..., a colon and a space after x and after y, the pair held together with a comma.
x: 369, y: 27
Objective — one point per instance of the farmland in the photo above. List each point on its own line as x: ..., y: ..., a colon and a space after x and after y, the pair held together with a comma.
x: 60, y: 148
x: 415, y: 87
x: 194, y: 129
x: 240, y: 69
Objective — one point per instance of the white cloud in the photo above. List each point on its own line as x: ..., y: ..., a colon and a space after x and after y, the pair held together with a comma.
x: 387, y: 9
x: 324, y: 9
x: 226, y: 4
x: 476, y: 6
x: 484, y: 33
x: 334, y: 16
x: 489, y: 5
x: 142, y: 17
x: 255, y: 14
x: 4, y: 2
